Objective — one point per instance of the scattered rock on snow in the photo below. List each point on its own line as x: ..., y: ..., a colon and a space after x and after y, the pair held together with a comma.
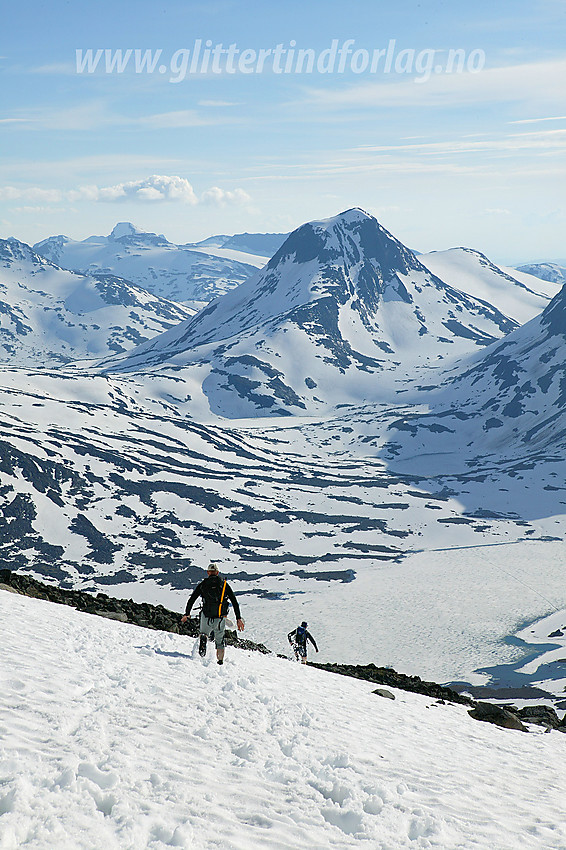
x: 383, y: 693
x: 542, y: 715
x: 489, y: 713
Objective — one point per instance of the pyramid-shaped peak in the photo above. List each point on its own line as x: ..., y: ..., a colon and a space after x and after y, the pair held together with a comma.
x: 354, y: 235
x: 351, y: 216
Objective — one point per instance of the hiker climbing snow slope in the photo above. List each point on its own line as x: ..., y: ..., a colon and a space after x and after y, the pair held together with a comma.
x: 215, y: 592
x: 298, y: 640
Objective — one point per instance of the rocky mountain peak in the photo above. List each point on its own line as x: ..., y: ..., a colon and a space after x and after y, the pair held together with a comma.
x: 12, y: 250
x: 354, y: 235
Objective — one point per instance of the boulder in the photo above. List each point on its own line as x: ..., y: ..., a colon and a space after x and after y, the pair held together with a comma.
x: 489, y: 713
x: 381, y: 692
x: 542, y: 715
x: 112, y: 615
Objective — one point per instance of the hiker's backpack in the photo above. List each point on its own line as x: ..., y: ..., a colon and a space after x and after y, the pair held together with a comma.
x: 301, y: 635
x: 214, y: 602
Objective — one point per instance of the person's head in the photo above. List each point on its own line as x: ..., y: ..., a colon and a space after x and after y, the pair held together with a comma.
x: 304, y: 625
x: 212, y: 569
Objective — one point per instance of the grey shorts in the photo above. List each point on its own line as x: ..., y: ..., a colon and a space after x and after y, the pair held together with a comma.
x: 216, y: 627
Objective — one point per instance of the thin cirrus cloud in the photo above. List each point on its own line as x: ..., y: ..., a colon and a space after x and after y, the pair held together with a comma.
x: 154, y: 189
x: 540, y: 82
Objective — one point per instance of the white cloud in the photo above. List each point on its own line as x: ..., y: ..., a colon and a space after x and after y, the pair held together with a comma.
x: 536, y: 120
x: 218, y: 103
x: 27, y: 209
x: 497, y: 211
x: 65, y: 68
x: 32, y: 193
x: 220, y: 197
x: 96, y: 114
x: 154, y: 189
x: 171, y: 120
x: 533, y: 83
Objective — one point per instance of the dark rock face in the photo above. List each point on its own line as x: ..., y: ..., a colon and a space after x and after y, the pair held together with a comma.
x: 372, y: 241
x: 554, y: 316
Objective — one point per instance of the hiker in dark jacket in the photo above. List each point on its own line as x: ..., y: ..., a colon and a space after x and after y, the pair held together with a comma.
x: 215, y: 592
x: 298, y: 640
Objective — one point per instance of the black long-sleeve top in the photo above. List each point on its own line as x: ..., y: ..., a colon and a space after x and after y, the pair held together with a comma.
x: 198, y: 591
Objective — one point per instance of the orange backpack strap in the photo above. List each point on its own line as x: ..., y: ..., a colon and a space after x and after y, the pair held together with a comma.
x: 222, y: 599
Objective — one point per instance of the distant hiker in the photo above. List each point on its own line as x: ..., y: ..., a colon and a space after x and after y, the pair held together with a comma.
x: 298, y: 640
x: 215, y: 592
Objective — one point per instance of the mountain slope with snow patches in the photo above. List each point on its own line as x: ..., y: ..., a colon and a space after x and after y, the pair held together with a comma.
x: 118, y: 738
x: 519, y: 295
x: 508, y: 402
x: 175, y: 272
x: 340, y: 307
x: 305, y: 516
x: 51, y: 316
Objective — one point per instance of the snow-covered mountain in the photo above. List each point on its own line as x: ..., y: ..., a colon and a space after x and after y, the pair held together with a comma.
x: 254, y: 248
x: 375, y: 500
x: 337, y: 308
x: 175, y: 272
x: 517, y: 293
x: 553, y: 272
x: 508, y: 401
x: 262, y: 244
x: 50, y: 316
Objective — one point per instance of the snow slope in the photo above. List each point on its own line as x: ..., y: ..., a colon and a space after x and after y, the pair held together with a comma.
x: 518, y: 295
x: 118, y: 738
x: 50, y: 316
x: 175, y: 272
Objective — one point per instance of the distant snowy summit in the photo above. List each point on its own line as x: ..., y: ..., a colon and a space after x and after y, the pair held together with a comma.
x: 181, y: 273
x: 341, y: 303
x: 554, y: 272
x: 51, y: 316
x: 260, y: 244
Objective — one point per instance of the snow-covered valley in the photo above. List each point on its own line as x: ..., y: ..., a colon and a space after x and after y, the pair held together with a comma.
x: 349, y: 435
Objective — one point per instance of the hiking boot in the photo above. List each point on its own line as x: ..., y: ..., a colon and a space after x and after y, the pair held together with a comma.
x: 202, y: 646
x: 220, y: 661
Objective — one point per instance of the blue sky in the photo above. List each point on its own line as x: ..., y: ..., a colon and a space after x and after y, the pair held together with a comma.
x: 472, y: 155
